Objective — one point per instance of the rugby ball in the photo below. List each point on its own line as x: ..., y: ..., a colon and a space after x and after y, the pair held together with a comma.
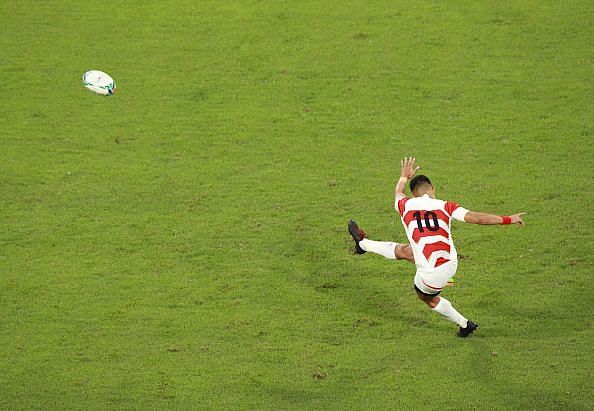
x: 99, y: 82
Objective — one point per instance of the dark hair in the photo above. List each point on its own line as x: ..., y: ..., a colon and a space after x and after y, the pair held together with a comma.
x: 419, y: 181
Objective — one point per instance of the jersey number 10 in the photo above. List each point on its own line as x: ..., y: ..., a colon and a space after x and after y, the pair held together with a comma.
x: 430, y: 218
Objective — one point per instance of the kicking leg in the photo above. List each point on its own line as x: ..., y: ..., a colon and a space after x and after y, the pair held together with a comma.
x: 388, y: 249
x: 384, y: 248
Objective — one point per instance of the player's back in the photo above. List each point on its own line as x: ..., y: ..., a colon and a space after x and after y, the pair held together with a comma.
x: 427, y: 222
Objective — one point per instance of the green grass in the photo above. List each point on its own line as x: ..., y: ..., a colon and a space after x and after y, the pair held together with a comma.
x: 183, y: 244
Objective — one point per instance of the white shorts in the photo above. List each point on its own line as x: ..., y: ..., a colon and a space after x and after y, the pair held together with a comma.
x: 432, y: 282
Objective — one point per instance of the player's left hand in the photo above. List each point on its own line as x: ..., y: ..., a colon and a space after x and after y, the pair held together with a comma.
x: 408, y: 169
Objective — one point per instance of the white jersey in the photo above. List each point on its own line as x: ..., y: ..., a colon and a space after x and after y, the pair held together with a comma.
x: 427, y: 222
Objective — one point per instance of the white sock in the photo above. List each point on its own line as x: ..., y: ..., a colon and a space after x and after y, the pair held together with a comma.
x: 379, y: 247
x: 445, y: 308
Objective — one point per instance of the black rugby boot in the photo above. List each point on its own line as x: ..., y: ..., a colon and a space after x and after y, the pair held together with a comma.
x: 470, y: 327
x: 357, y: 235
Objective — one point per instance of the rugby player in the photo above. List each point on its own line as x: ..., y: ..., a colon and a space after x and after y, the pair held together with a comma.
x: 427, y: 222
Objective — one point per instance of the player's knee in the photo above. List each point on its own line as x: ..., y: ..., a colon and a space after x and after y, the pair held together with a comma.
x: 432, y: 303
x: 404, y: 252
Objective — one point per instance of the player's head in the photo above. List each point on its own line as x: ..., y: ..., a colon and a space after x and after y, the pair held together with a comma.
x: 421, y: 185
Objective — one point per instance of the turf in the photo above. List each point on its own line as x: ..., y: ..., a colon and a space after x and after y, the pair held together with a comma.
x: 183, y: 244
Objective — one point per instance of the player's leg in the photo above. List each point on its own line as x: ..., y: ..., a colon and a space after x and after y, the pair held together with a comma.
x: 388, y: 249
x: 443, y: 307
x: 429, y: 294
x: 383, y: 248
x: 404, y: 252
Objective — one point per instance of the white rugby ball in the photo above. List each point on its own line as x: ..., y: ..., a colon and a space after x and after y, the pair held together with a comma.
x: 99, y: 82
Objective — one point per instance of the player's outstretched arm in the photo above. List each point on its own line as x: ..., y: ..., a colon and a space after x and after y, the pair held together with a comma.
x: 474, y: 217
x: 407, y: 171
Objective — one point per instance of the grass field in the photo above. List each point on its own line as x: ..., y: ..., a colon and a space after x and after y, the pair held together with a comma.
x: 183, y: 244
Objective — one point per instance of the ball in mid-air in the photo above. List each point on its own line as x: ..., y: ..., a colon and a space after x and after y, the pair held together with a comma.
x: 99, y: 82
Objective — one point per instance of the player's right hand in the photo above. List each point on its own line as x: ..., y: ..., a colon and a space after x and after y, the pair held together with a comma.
x: 408, y: 169
x: 517, y: 219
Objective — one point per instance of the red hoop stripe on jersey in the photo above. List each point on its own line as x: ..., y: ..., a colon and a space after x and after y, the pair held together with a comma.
x: 434, y: 288
x: 401, y: 205
x: 441, y: 261
x: 434, y: 247
x: 417, y: 234
x: 408, y: 217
